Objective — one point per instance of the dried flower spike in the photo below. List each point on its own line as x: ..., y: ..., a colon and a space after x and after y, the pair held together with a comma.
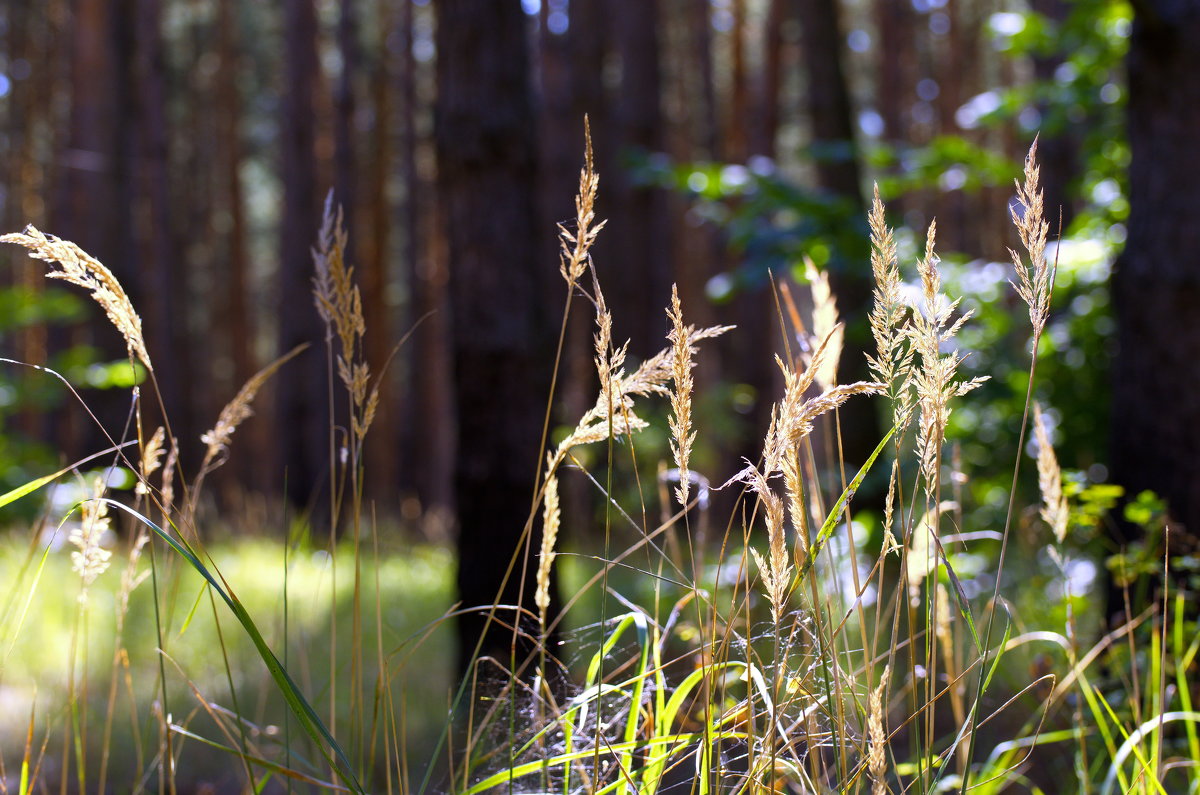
x: 877, y: 750
x: 1055, y: 510
x: 574, y: 257
x: 551, y: 518
x: 1035, y: 282
x: 81, y: 269
x: 681, y: 396
x: 90, y: 560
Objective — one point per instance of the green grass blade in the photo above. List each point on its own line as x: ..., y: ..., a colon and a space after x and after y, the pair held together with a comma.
x: 1130, y: 746
x: 839, y: 507
x: 296, y: 701
x: 33, y: 485
x: 267, y: 764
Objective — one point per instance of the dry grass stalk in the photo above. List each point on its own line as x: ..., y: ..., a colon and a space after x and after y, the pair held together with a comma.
x: 681, y: 396
x: 618, y: 390
x: 1035, y: 282
x: 877, y: 737
x: 151, y: 455
x: 574, y: 258
x: 931, y: 328
x: 1055, y: 511
x: 825, y: 324
x: 775, y: 570
x: 236, y: 411
x: 81, y: 269
x: 923, y: 556
x: 551, y: 519
x: 893, y: 362
x: 90, y: 560
x: 340, y: 305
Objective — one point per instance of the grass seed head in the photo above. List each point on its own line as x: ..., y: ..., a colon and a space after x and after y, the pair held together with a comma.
x: 1055, y: 509
x: 83, y: 270
x: 1035, y: 281
x: 825, y: 324
x: 681, y: 396
x: 151, y: 460
x: 551, y: 518
x: 575, y: 256
x: 90, y: 559
x: 877, y: 737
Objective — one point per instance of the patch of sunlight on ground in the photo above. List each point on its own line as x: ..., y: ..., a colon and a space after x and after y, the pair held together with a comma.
x: 415, y: 589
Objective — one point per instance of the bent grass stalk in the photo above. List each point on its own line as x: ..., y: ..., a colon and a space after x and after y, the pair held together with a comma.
x: 793, y: 697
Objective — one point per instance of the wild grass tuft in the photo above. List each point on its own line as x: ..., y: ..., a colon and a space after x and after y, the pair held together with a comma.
x: 803, y: 650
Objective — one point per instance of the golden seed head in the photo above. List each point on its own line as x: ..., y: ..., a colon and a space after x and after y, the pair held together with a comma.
x: 83, y: 270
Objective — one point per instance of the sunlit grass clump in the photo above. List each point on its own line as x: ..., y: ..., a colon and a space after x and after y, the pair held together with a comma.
x: 801, y: 648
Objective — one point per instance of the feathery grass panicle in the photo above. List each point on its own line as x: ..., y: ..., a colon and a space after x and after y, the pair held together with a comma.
x: 168, y: 477
x: 793, y: 485
x: 238, y: 410
x: 574, y: 257
x: 825, y: 324
x: 681, y: 396
x: 618, y: 390
x: 893, y: 362
x: 337, y: 297
x: 1055, y: 510
x: 877, y: 736
x: 1035, y: 282
x: 81, y: 269
x: 776, y: 569
x: 151, y: 460
x: 930, y: 328
x: 608, y: 360
x: 90, y: 560
x: 339, y: 303
x: 551, y: 518
x: 796, y: 415
x: 890, y: 543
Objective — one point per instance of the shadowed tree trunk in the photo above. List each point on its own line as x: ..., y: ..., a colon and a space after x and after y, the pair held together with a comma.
x: 237, y: 330
x: 303, y: 414
x: 639, y: 284
x: 86, y: 210
x: 487, y: 179
x: 158, y: 251
x: 837, y: 167
x: 1156, y: 284
x: 378, y: 270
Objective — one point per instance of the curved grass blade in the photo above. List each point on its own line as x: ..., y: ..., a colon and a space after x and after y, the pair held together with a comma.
x: 33, y: 485
x: 296, y: 701
x: 274, y: 767
x: 839, y: 507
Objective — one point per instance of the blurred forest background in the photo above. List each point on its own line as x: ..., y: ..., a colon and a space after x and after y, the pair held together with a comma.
x: 188, y: 145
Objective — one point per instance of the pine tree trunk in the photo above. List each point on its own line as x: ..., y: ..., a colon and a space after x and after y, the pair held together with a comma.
x: 1156, y: 284
x: 487, y: 178
x: 303, y: 407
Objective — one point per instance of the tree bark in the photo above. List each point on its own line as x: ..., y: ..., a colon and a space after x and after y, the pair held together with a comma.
x: 638, y: 282
x: 1156, y: 283
x: 486, y: 144
x: 303, y: 407
x: 836, y: 158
